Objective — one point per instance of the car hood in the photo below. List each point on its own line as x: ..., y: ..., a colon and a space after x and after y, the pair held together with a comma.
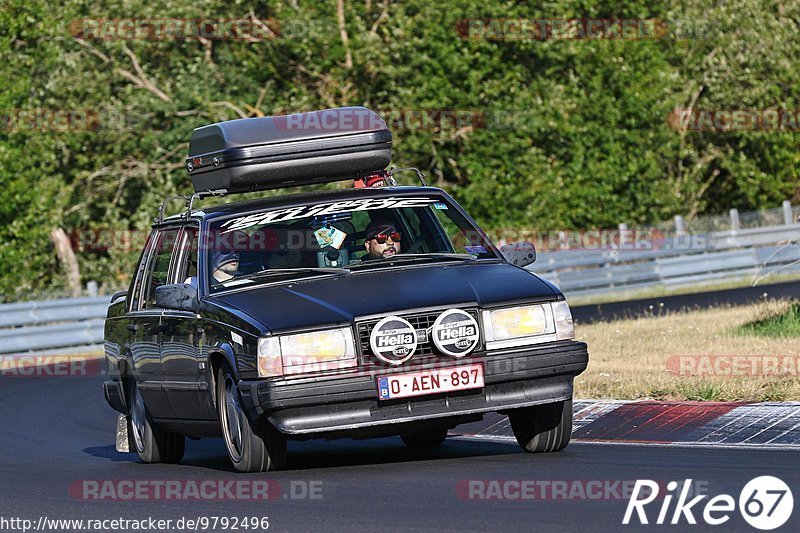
x: 325, y: 300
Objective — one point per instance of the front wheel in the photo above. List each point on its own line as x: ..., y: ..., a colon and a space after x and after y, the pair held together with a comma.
x: 543, y: 428
x: 153, y: 444
x: 252, y: 446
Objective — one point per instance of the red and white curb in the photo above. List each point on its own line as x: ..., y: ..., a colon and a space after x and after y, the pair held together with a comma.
x: 763, y: 425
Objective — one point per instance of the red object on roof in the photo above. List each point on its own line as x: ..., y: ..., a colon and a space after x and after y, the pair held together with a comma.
x: 371, y: 180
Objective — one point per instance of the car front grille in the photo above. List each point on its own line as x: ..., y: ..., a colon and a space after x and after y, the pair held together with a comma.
x: 426, y: 351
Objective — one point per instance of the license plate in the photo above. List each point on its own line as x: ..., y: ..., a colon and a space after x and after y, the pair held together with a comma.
x: 432, y: 381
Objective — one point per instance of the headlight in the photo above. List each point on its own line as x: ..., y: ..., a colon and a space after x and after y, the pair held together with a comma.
x: 529, y: 324
x: 306, y: 352
x: 516, y: 322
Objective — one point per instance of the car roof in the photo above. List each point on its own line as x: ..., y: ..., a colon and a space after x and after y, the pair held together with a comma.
x: 301, y: 198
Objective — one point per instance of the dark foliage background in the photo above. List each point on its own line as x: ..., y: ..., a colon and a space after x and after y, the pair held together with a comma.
x: 585, y: 142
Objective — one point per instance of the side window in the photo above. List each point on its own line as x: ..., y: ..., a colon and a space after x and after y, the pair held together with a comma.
x: 187, y: 266
x: 455, y: 238
x: 422, y: 235
x: 136, y: 286
x: 158, y: 270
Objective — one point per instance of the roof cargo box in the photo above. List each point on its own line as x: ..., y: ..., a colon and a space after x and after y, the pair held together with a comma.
x: 282, y: 151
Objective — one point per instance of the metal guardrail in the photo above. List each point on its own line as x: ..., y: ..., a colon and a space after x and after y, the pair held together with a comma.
x: 58, y: 325
x: 724, y: 255
x: 50, y: 325
x: 34, y: 313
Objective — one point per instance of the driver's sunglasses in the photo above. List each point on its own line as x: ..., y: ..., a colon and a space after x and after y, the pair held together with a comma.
x: 381, y: 238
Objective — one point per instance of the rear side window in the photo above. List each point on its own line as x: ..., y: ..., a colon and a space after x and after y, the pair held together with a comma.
x: 158, y: 271
x: 187, y: 258
x: 136, y: 286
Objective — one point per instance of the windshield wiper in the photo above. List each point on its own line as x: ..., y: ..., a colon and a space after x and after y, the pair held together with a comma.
x: 287, y: 271
x: 435, y: 256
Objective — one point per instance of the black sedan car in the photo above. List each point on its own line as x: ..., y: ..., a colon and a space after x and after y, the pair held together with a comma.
x: 352, y: 313
x: 361, y: 312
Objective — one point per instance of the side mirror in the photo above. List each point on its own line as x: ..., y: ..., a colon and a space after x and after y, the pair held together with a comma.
x: 519, y: 254
x: 118, y: 295
x: 182, y: 296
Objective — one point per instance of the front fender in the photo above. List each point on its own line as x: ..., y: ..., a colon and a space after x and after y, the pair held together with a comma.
x: 223, y: 349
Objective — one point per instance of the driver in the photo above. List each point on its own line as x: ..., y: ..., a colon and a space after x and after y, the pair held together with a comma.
x: 382, y: 240
x: 224, y: 265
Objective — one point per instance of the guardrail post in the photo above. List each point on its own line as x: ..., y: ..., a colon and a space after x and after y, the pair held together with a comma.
x: 680, y: 226
x: 624, y: 237
x: 787, y: 213
x: 92, y: 289
x: 562, y: 240
x: 735, y: 225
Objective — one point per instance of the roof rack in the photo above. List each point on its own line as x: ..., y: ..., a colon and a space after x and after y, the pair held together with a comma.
x: 419, y: 173
x: 388, y: 179
x: 189, y: 202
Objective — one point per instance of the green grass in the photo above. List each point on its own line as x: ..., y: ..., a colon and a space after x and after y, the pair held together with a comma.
x: 786, y: 324
x: 701, y: 391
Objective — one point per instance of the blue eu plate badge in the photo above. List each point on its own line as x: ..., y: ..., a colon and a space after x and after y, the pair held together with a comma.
x: 383, y: 388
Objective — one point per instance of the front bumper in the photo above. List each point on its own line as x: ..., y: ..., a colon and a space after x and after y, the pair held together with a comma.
x: 513, y: 378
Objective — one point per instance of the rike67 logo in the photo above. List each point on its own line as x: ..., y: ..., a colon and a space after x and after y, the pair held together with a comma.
x: 765, y: 503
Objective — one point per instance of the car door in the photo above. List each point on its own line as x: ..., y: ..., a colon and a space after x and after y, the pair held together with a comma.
x: 147, y: 316
x: 141, y: 366
x: 184, y: 371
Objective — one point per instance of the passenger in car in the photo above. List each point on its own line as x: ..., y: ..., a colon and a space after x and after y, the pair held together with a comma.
x: 224, y: 265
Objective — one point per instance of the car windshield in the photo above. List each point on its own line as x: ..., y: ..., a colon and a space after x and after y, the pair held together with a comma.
x: 333, y: 238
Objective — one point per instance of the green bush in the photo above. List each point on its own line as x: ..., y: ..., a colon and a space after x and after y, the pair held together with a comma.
x: 588, y: 144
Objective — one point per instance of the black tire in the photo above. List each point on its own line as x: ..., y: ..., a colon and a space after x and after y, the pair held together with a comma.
x: 151, y: 443
x: 425, y: 439
x: 253, y: 446
x: 543, y: 428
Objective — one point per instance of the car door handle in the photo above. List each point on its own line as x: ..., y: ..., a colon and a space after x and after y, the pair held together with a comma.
x: 133, y: 327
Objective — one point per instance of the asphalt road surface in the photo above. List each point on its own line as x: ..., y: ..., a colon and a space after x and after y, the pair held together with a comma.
x: 682, y: 302
x: 57, y: 434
